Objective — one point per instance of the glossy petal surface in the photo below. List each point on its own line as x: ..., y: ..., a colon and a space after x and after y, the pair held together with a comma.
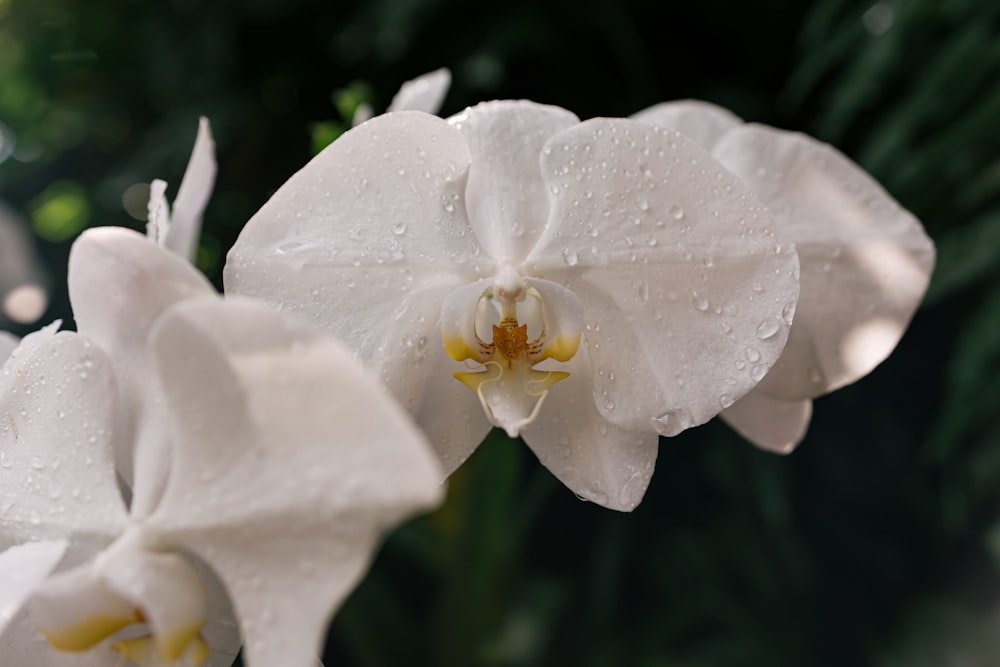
x: 866, y: 262
x: 57, y: 411
x: 289, y: 465
x: 507, y: 200
x: 677, y: 266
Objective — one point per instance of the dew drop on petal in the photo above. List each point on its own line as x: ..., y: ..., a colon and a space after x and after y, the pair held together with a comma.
x: 569, y: 256
x: 699, y: 301
x: 399, y: 229
x: 725, y: 400
x: 767, y: 329
x: 676, y: 212
x: 788, y: 312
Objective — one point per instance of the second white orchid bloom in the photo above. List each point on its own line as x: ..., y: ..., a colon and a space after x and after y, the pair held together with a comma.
x: 285, y: 464
x: 590, y: 285
x: 866, y: 262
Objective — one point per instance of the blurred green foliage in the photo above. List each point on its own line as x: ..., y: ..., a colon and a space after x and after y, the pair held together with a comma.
x: 876, y: 543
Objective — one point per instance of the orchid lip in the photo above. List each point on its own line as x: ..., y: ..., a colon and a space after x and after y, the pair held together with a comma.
x: 502, y: 329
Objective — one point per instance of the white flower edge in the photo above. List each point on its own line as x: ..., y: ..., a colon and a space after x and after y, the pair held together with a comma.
x: 865, y: 262
x: 178, y: 229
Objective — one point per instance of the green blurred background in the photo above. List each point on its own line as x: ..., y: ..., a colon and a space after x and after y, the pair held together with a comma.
x: 876, y: 543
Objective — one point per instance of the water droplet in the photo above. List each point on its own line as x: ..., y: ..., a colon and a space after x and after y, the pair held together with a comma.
x: 699, y: 302
x: 643, y: 204
x: 756, y: 287
x: 768, y: 329
x: 399, y: 229
x: 643, y: 290
x: 569, y: 256
x: 753, y: 355
x: 726, y: 400
x: 674, y: 421
x: 788, y: 312
x: 675, y: 212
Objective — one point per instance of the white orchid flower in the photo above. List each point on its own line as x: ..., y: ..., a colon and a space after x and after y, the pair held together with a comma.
x: 24, y: 294
x: 590, y: 285
x: 866, y: 263
x: 178, y: 229
x: 286, y: 464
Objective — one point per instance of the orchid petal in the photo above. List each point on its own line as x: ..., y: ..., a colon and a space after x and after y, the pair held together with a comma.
x: 193, y: 194
x: 676, y: 263
x: 506, y: 196
x: 594, y: 458
x: 57, y: 412
x: 119, y: 284
x: 22, y: 568
x: 425, y: 93
x: 866, y: 262
x: 703, y: 122
x: 289, y: 462
x: 377, y: 215
x: 562, y: 315
x: 770, y: 423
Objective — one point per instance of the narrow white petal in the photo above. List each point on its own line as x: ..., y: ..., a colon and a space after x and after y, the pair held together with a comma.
x: 678, y: 268
x: 57, y: 411
x: 507, y: 198
x: 289, y: 464
x: 866, y: 262
x: 193, y: 194
x: 701, y: 121
x: 594, y: 458
x: 770, y: 423
x: 425, y: 93
x: 157, y: 213
x: 22, y: 569
x: 119, y: 284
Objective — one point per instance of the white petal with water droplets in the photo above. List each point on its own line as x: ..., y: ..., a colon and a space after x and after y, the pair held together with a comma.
x: 425, y: 93
x: 375, y: 217
x: 507, y: 197
x: 866, y: 262
x: 57, y: 412
x: 289, y: 464
x: 597, y: 460
x: 703, y: 122
x: 22, y: 568
x: 119, y: 284
x: 770, y: 423
x: 670, y: 251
